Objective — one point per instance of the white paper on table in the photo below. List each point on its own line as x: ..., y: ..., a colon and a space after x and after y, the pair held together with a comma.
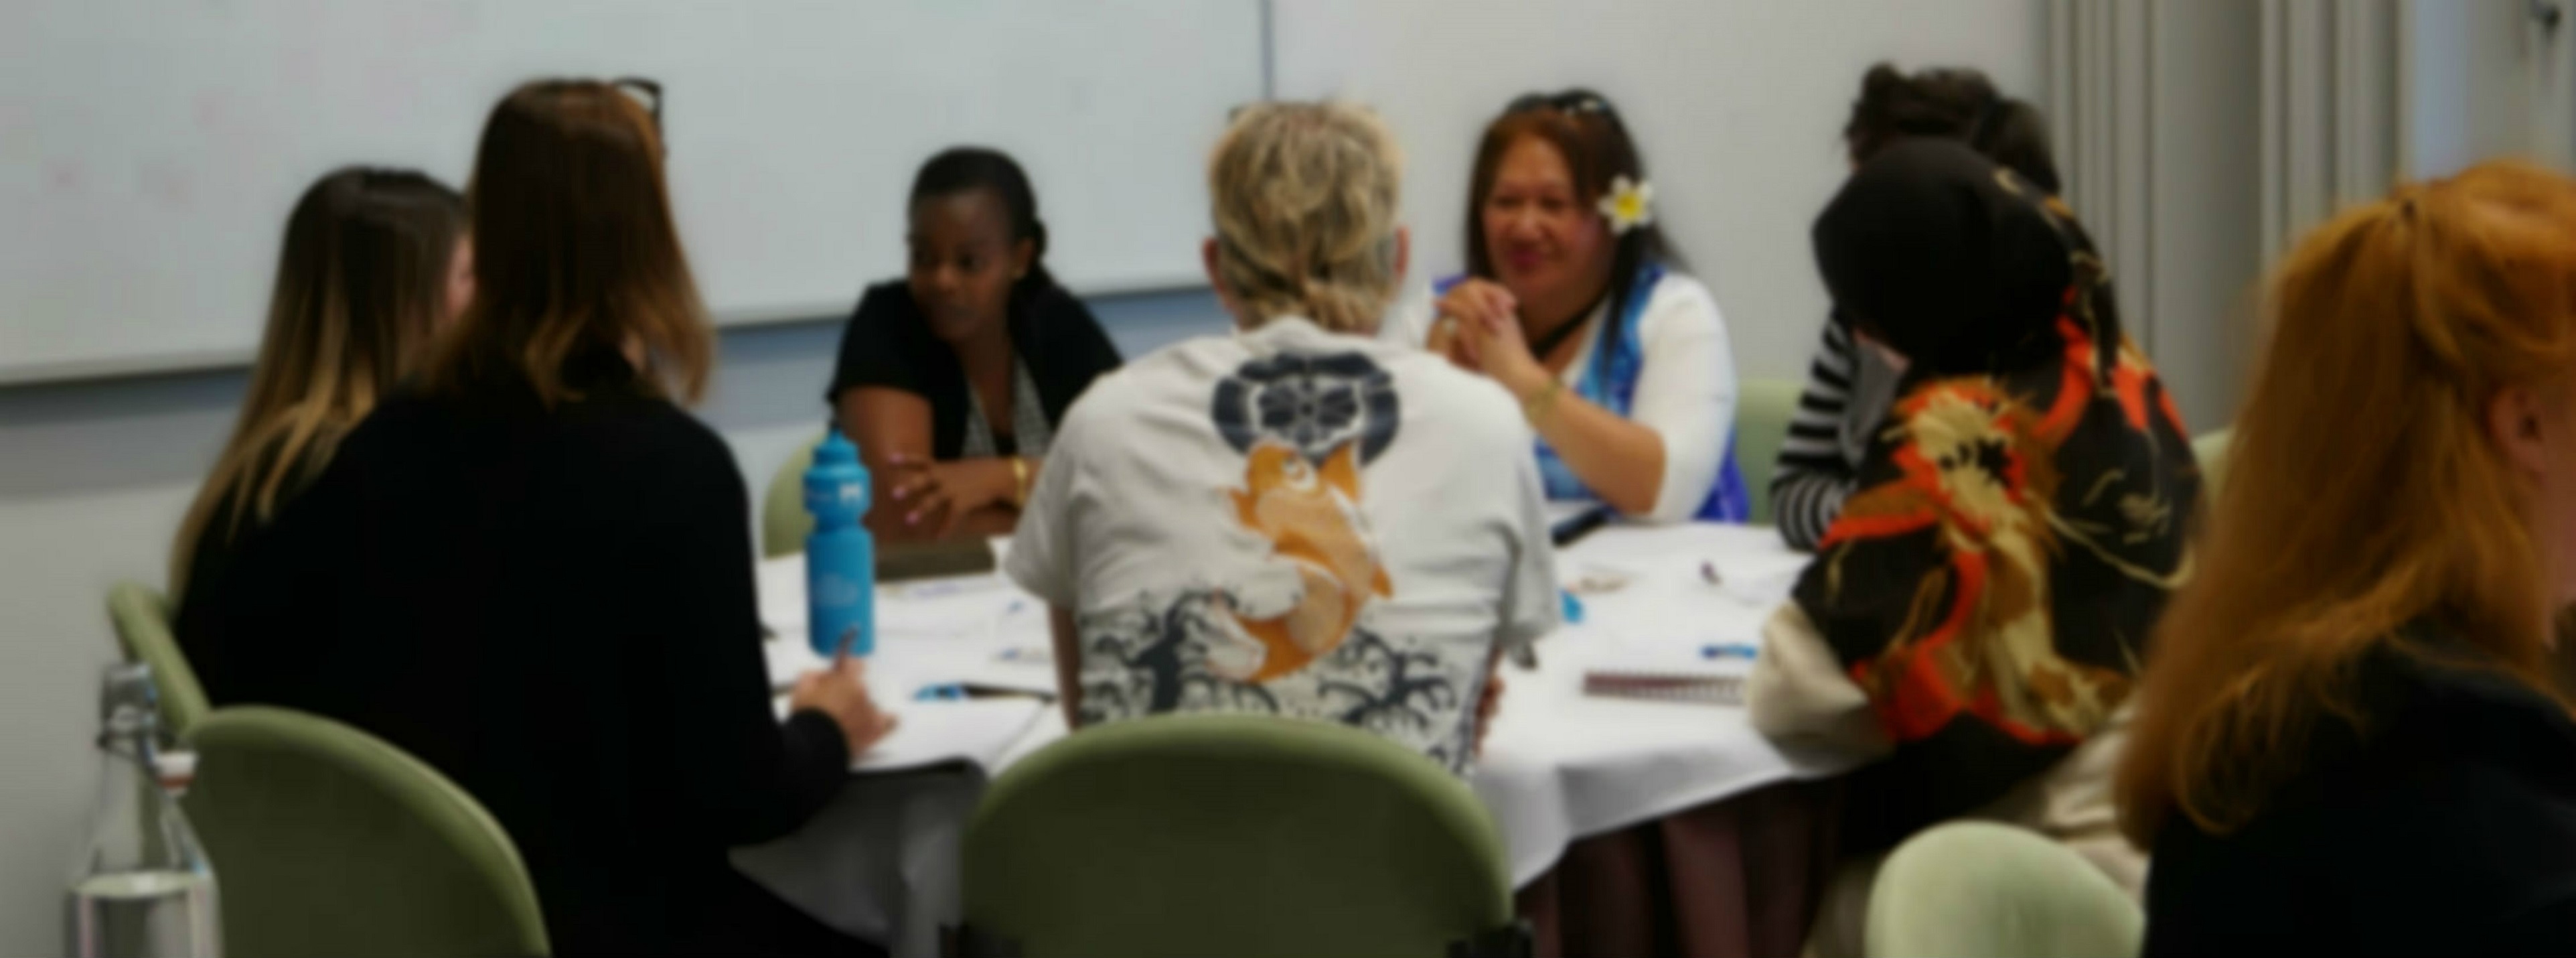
x: 979, y: 731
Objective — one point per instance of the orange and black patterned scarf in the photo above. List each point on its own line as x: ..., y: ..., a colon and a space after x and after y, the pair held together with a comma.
x: 2021, y: 512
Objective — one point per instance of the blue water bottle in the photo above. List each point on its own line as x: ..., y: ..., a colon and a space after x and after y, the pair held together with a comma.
x: 840, y: 555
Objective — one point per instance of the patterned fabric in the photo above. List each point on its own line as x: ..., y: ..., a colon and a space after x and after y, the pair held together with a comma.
x: 1992, y: 584
x: 1296, y: 523
x: 1030, y: 434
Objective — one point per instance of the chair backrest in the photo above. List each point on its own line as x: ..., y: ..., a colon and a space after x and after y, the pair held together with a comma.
x: 329, y: 841
x: 1981, y: 888
x: 1235, y: 835
x: 2210, y: 449
x: 784, y: 523
x: 141, y: 615
x: 1763, y: 408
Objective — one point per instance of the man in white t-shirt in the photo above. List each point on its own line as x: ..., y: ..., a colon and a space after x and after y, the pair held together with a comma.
x: 1298, y: 519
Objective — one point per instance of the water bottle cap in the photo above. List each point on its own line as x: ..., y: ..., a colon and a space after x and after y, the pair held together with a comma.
x: 836, y: 449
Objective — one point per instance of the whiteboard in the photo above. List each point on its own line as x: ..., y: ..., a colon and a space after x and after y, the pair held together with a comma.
x: 1738, y: 106
x: 150, y: 150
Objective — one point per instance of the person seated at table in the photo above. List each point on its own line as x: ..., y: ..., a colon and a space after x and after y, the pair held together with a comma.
x: 953, y: 381
x: 1848, y: 389
x: 2354, y: 736
x: 532, y: 570
x: 1575, y: 303
x: 374, y: 261
x: 1970, y: 632
x: 1298, y: 519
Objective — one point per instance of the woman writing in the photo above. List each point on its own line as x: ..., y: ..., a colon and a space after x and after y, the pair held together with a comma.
x: 2355, y: 737
x: 530, y: 571
x: 1574, y: 303
x: 953, y: 381
x: 1971, y: 629
x: 374, y: 260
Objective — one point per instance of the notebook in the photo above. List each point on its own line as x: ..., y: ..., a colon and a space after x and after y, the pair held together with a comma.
x: 1666, y: 687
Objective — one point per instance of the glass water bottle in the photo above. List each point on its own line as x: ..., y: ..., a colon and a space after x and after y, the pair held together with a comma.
x: 142, y: 888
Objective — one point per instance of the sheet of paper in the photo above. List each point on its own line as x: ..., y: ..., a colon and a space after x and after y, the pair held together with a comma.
x: 978, y: 731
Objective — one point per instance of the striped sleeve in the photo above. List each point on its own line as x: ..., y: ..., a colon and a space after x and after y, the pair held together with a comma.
x: 1813, y: 477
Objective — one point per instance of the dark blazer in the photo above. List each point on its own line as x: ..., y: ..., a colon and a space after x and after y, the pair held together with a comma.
x: 555, y: 608
x: 2444, y: 826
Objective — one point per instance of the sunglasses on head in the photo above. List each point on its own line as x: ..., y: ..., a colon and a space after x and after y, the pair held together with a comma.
x: 1574, y: 103
x: 649, y: 91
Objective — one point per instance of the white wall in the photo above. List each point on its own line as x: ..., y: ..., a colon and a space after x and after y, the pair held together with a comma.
x: 94, y: 477
x: 1737, y: 105
x: 2481, y: 80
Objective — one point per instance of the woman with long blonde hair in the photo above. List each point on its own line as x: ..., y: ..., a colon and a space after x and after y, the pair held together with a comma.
x: 530, y: 568
x: 374, y: 260
x: 2351, y: 737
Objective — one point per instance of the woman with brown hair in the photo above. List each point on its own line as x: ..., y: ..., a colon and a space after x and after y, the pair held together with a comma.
x: 533, y: 569
x: 373, y: 261
x: 1574, y: 303
x: 2353, y: 737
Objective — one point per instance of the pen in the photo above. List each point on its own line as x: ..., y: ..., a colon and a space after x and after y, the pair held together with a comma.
x: 1728, y: 650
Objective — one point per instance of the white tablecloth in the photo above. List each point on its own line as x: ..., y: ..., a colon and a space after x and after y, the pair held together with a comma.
x: 881, y: 861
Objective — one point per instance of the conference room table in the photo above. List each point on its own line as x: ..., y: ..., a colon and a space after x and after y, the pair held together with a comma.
x: 1634, y: 825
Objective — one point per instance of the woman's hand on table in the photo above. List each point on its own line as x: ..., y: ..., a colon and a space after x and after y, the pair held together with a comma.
x: 946, y: 492
x: 841, y: 692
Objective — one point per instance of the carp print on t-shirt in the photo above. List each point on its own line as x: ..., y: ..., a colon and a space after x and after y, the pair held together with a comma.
x: 1298, y: 643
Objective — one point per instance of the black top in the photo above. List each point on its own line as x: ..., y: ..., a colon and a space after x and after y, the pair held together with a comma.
x: 2448, y: 828
x: 889, y: 343
x: 556, y: 610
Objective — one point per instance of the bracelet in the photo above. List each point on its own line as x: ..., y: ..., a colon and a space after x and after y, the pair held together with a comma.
x: 1019, y: 482
x: 1538, y: 404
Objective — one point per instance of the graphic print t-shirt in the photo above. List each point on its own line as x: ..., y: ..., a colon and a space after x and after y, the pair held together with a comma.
x: 1293, y: 522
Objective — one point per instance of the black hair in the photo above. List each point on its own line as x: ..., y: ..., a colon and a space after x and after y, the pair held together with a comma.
x: 965, y: 169
x: 1953, y: 103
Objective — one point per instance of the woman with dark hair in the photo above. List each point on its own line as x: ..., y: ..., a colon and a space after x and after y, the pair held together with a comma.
x: 1848, y: 389
x: 1574, y: 302
x: 1972, y: 630
x: 953, y: 381
x: 374, y: 261
x: 531, y: 568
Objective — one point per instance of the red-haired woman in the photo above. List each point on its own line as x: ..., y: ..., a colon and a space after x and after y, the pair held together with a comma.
x: 2352, y: 738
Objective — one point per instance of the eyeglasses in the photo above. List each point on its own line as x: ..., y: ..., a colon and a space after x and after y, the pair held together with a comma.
x: 650, y: 91
x: 1571, y: 102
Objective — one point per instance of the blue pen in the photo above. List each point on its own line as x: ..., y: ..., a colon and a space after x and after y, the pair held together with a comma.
x: 1728, y: 650
x: 1569, y: 608
x: 940, y: 693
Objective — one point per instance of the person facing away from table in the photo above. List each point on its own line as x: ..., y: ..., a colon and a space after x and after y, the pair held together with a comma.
x: 2355, y: 734
x: 953, y: 381
x: 374, y: 261
x: 533, y: 570
x: 1971, y: 629
x: 1848, y: 389
x: 1577, y: 305
x: 1298, y: 519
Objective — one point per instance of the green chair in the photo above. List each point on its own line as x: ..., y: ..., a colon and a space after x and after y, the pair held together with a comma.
x: 1234, y: 835
x: 142, y: 619
x: 784, y: 523
x: 2211, y: 451
x: 330, y: 841
x: 1763, y: 408
x: 1985, y: 889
